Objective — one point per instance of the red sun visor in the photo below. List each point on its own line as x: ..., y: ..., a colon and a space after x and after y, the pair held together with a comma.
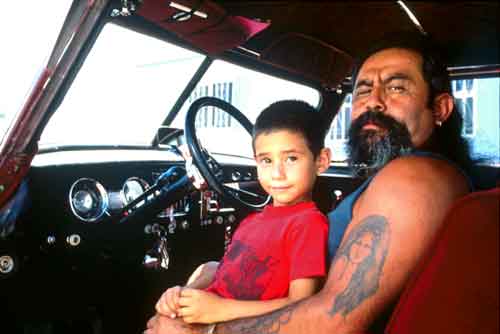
x: 204, y: 24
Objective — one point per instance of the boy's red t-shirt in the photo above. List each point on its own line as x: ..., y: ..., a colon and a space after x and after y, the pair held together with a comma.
x: 270, y: 249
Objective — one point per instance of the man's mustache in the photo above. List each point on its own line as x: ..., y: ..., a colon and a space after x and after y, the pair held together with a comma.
x: 374, y: 117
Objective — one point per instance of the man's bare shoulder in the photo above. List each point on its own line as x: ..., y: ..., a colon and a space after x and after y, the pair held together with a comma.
x: 413, y: 190
x: 418, y: 174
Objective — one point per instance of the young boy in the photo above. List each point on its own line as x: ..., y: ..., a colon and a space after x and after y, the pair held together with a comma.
x: 277, y: 256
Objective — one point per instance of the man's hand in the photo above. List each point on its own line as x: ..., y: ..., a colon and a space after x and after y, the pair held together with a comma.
x: 164, y: 325
x: 198, y: 306
x: 168, y: 304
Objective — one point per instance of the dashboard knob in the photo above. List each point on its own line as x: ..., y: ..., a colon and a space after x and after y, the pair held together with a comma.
x: 172, y: 226
x: 235, y: 176
x: 73, y: 240
x: 7, y: 264
x: 156, y: 228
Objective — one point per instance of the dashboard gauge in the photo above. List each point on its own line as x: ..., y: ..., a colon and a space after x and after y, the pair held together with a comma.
x: 88, y: 200
x: 133, y: 188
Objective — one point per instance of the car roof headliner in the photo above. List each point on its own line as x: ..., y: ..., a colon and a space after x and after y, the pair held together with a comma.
x: 468, y: 30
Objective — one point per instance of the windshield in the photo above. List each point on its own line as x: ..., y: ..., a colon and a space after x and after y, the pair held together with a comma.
x: 123, y: 92
x: 129, y: 82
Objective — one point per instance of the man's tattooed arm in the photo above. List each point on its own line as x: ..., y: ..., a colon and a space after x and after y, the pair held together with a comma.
x: 268, y: 324
x: 360, y: 259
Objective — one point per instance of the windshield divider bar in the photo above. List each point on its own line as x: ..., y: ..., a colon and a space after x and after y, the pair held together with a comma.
x: 202, y: 69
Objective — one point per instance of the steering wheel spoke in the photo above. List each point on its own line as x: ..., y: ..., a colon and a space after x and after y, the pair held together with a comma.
x: 214, y: 166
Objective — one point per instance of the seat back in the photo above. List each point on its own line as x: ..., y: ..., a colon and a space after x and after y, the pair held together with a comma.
x: 455, y: 288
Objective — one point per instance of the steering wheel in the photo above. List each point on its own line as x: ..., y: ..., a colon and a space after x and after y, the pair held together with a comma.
x: 209, y: 168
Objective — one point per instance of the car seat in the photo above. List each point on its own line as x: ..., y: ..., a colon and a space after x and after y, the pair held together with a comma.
x: 455, y: 287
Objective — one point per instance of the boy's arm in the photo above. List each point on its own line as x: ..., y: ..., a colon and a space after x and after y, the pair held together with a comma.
x: 203, y: 276
x: 202, y: 307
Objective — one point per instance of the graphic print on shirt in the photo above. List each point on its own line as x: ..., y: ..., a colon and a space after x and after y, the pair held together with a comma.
x: 244, y: 284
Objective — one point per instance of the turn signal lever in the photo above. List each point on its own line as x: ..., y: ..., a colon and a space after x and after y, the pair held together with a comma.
x: 171, y: 186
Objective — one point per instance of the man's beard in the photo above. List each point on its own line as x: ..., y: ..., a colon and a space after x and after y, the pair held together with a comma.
x: 371, y: 149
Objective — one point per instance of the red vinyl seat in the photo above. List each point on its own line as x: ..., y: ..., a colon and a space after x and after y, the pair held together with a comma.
x: 455, y: 288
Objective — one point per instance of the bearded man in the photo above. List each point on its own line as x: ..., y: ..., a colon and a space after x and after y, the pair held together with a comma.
x: 405, y: 138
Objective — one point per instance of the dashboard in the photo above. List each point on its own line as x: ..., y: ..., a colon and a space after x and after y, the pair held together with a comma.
x: 82, y: 204
x: 81, y: 201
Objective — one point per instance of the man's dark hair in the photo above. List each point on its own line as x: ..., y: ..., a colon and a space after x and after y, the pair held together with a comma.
x: 447, y: 139
x: 296, y: 116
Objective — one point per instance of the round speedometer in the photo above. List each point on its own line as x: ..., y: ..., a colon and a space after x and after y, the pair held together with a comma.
x: 133, y: 188
x: 88, y: 199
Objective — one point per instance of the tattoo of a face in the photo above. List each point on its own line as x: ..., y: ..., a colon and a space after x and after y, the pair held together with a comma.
x: 268, y: 324
x: 358, y: 264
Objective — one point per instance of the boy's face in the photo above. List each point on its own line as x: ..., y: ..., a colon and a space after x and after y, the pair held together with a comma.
x: 286, y: 167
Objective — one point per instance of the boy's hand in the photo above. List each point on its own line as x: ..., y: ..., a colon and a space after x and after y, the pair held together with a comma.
x: 198, y: 306
x: 168, y: 304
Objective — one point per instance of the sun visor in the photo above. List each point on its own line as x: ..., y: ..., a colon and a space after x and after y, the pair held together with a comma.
x: 204, y: 24
x: 310, y: 58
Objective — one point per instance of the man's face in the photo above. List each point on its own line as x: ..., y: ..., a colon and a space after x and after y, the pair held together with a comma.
x: 285, y: 166
x: 390, y: 86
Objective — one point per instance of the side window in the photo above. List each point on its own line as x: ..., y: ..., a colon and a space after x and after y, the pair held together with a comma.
x: 336, y: 138
x: 479, y: 102
x: 465, y: 95
x: 339, y: 129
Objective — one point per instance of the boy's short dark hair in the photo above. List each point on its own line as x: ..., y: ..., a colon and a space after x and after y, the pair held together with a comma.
x: 293, y: 115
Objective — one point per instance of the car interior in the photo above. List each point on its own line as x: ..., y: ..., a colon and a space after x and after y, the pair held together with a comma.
x: 98, y: 211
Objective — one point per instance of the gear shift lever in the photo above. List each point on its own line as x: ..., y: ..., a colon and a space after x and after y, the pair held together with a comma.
x: 158, y: 257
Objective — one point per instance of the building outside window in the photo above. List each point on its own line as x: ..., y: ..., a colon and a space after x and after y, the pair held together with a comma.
x: 341, y: 125
x: 464, y: 92
x: 336, y: 137
x: 211, y: 117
